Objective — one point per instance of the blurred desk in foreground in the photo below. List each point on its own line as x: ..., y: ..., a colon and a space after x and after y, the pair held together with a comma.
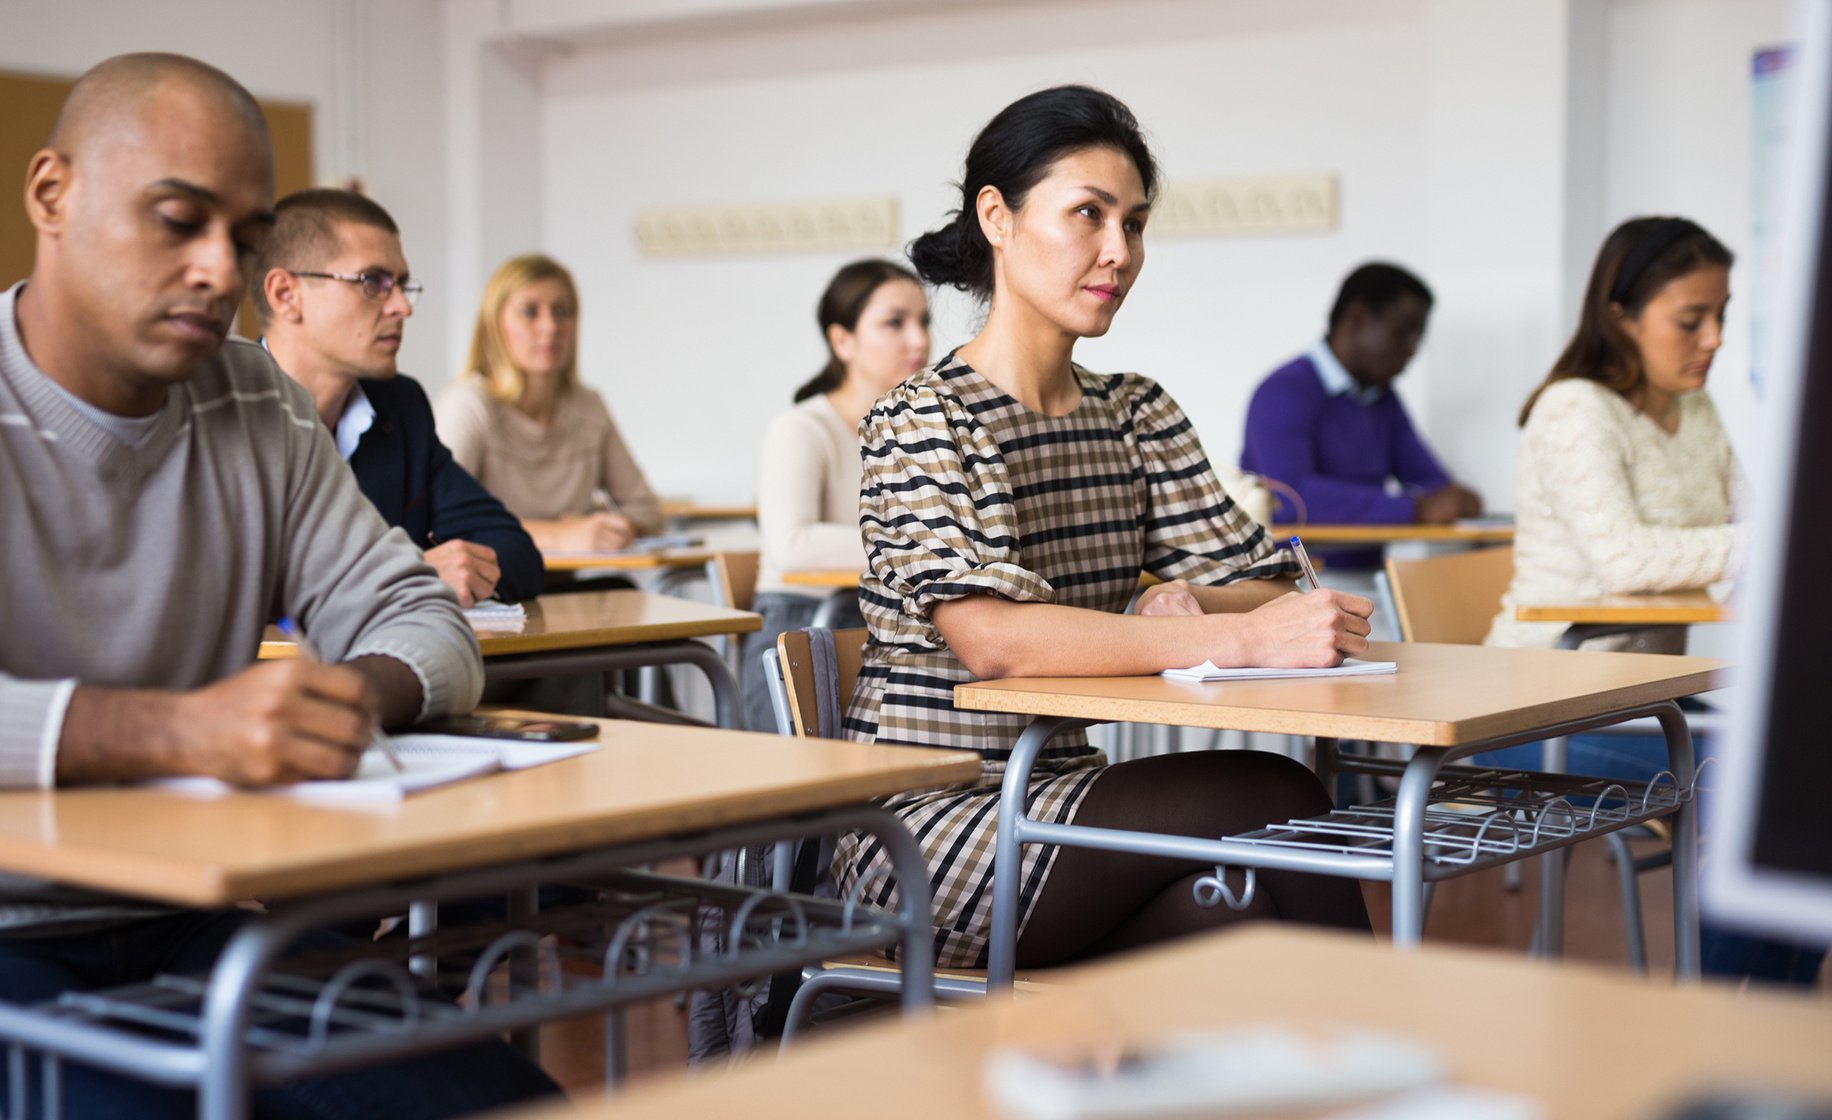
x: 1581, y: 1043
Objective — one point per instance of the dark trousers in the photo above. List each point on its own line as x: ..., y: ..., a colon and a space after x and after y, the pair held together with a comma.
x: 451, y: 1083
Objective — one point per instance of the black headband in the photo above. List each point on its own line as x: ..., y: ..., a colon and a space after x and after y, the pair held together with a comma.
x: 1655, y: 240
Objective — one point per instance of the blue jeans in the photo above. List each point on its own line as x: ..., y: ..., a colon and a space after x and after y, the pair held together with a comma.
x: 1723, y: 953
x: 452, y: 1083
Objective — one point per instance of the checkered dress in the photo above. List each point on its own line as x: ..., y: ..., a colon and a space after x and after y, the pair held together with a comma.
x: 967, y: 492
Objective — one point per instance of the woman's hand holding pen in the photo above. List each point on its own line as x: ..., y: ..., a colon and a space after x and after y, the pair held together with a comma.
x: 1308, y: 630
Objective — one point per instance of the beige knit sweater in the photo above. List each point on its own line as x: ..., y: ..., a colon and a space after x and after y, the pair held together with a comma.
x: 808, y: 495
x: 1607, y: 502
x: 543, y: 471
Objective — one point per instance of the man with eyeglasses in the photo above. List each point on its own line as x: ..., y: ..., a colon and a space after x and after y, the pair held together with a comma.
x: 331, y: 289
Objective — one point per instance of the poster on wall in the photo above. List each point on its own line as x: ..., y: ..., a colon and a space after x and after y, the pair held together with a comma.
x: 1769, y: 93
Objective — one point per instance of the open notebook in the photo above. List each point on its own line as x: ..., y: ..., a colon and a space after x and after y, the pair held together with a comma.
x: 1208, y: 671
x: 431, y: 760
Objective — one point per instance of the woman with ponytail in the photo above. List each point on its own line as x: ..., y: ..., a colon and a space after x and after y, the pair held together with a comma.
x: 1010, y: 500
x: 1626, y: 483
x: 875, y: 321
x: 1625, y: 478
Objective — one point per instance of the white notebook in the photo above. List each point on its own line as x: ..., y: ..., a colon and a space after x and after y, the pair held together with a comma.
x: 1209, y: 671
x: 431, y: 760
x: 494, y: 614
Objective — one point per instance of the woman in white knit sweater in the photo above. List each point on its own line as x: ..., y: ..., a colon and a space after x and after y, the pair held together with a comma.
x: 1625, y: 480
x: 1626, y: 483
x: 875, y: 320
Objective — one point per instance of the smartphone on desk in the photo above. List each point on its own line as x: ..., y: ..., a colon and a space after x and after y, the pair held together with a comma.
x: 509, y: 727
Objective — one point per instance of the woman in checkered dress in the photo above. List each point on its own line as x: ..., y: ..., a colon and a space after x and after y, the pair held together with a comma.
x: 1010, y: 500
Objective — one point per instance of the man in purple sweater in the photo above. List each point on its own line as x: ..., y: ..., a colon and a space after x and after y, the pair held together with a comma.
x: 1328, y: 425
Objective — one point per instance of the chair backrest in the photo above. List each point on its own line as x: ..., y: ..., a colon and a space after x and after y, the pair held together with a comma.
x: 795, y: 654
x: 734, y: 578
x: 1450, y: 598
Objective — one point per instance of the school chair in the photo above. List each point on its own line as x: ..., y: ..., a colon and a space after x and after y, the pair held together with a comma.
x: 811, y: 673
x: 1452, y: 599
x: 732, y: 576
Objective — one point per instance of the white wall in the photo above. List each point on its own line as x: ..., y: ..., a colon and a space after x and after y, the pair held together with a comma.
x: 371, y: 71
x: 1487, y: 143
x: 1679, y: 124
x: 1379, y: 92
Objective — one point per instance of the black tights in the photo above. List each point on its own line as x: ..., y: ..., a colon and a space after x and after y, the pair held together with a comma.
x: 1096, y: 902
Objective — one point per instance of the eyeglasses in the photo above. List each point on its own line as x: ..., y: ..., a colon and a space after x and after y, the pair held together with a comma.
x: 376, y: 285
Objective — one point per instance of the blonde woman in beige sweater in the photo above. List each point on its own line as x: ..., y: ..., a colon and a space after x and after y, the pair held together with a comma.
x: 875, y: 320
x: 520, y: 421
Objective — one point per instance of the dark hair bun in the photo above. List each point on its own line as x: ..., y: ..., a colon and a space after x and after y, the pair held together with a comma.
x: 956, y: 255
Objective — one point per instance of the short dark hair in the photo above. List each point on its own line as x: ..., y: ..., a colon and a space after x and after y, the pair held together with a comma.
x: 304, y: 235
x: 1013, y: 153
x: 1374, y: 286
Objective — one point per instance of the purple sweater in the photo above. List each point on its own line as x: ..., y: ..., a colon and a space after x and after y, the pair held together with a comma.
x: 1335, y: 451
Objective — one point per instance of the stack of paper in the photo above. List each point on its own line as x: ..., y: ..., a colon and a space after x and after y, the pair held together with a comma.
x: 1209, y: 671
x: 493, y: 614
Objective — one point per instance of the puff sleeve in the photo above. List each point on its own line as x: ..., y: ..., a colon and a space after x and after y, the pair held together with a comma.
x: 936, y: 510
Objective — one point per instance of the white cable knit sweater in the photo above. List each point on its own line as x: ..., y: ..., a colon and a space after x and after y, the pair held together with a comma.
x: 1607, y: 502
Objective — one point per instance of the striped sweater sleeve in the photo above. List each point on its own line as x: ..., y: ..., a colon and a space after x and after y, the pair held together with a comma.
x: 1193, y: 529
x: 936, y: 507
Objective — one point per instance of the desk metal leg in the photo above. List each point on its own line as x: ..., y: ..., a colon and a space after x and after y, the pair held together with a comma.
x: 1549, y: 930
x: 914, y: 906
x: 1680, y: 760
x: 1324, y: 763
x: 423, y: 921
x: 524, y: 969
x: 223, y: 1092
x: 1409, y: 846
x: 1008, y: 851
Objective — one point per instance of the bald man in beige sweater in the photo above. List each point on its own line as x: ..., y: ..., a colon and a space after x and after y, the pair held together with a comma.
x: 162, y: 497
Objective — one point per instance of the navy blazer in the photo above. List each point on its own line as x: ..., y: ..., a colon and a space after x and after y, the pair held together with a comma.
x: 414, y: 482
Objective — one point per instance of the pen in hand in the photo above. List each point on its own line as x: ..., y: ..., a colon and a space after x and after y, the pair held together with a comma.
x: 306, y: 650
x: 1310, y: 573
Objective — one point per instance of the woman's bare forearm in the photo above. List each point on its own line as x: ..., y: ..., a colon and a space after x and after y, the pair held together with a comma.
x: 996, y: 638
x: 1241, y: 596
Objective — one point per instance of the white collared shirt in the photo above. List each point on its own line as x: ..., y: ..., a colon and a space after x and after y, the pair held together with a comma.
x: 1336, y: 378
x: 358, y: 416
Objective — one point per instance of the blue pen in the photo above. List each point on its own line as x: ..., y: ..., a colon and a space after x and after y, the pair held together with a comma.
x: 291, y: 629
x: 1310, y: 573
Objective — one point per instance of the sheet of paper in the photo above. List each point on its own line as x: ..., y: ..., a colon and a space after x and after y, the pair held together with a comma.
x: 1209, y: 671
x: 431, y: 761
